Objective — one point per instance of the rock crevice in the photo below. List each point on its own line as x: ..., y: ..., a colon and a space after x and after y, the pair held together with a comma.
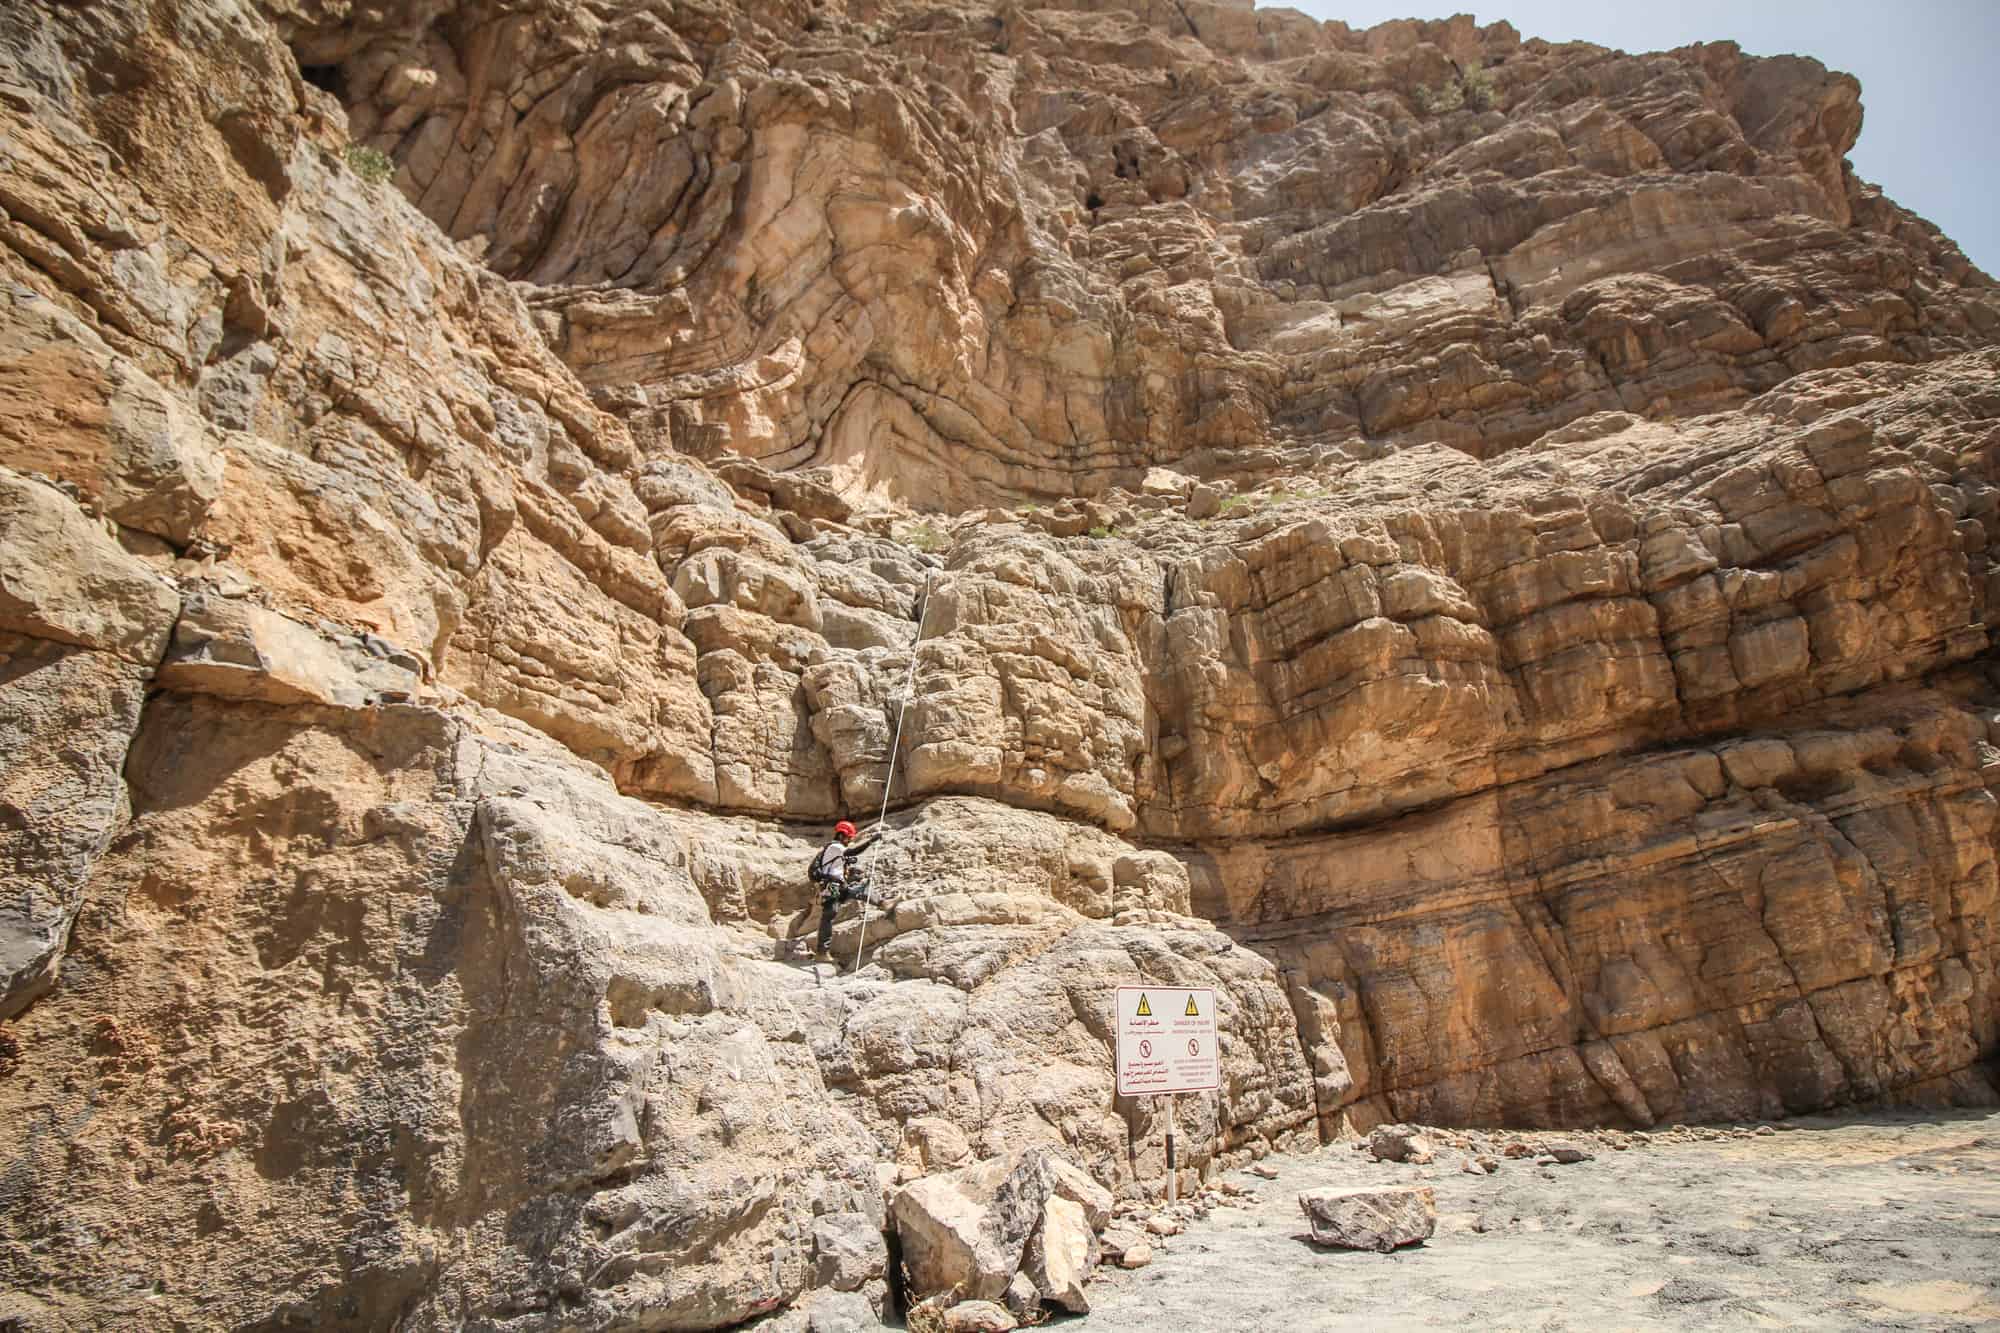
x: 1478, y: 550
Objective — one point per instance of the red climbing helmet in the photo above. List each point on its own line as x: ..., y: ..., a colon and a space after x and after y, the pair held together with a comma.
x: 844, y: 830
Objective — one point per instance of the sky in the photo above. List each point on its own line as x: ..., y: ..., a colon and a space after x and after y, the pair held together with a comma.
x: 1930, y: 136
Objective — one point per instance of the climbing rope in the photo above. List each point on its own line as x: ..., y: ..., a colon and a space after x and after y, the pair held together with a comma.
x: 896, y: 745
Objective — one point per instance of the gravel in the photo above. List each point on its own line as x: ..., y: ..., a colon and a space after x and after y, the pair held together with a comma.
x: 1884, y: 1222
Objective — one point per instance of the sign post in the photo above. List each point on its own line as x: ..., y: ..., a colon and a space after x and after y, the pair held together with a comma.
x: 1167, y: 1046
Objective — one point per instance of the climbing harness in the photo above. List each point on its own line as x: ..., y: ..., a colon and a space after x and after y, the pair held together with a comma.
x: 896, y: 745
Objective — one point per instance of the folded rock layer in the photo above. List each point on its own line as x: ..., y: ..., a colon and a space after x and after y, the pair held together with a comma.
x: 1479, y: 551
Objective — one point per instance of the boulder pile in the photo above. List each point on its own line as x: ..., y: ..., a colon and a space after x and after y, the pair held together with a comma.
x: 1020, y: 1229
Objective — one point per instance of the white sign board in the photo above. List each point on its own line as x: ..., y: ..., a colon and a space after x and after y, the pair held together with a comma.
x: 1166, y: 1041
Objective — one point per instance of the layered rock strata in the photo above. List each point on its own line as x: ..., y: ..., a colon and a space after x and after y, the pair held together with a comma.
x: 1478, y: 550
x: 959, y: 255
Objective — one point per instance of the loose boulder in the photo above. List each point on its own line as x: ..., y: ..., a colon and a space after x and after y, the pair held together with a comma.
x: 979, y: 1317
x: 1069, y: 1181
x: 1024, y: 1300
x: 1061, y: 1256
x: 1118, y: 1239
x: 932, y: 1143
x: 1396, y: 1143
x: 1125, y: 1246
x: 970, y: 1230
x: 1370, y: 1219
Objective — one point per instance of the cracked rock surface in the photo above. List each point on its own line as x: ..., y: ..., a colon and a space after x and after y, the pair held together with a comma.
x: 1479, y: 550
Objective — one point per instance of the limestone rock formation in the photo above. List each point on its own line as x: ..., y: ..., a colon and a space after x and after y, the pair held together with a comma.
x: 1480, y: 551
x: 81, y: 625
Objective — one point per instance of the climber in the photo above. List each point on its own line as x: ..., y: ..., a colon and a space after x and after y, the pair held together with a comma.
x: 837, y: 882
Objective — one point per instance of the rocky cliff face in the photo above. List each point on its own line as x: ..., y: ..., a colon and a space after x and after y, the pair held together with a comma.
x: 1480, y: 550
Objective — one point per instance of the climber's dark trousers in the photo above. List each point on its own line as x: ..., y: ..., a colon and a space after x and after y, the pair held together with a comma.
x: 830, y: 900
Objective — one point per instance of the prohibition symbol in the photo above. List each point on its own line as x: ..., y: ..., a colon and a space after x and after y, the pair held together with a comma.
x: 1194, y: 1047
x: 1145, y: 1050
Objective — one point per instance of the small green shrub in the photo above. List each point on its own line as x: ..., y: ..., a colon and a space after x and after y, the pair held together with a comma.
x: 1474, y: 89
x: 1441, y: 100
x: 1241, y: 504
x: 370, y: 164
x: 1480, y: 94
x: 927, y: 1316
x: 924, y: 537
x: 1103, y: 533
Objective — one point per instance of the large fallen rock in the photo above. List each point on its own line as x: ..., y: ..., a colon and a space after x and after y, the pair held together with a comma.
x: 1370, y: 1219
x: 966, y: 1230
x: 972, y: 1230
x: 1061, y: 1256
x: 1070, y: 1182
x: 1399, y: 1143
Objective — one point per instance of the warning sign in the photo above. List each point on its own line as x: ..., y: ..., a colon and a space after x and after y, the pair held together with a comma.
x: 1166, y: 1041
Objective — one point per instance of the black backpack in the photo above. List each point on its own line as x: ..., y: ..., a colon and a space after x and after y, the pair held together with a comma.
x: 817, y: 873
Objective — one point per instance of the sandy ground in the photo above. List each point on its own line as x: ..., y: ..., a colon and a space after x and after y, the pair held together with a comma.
x: 1891, y: 1222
